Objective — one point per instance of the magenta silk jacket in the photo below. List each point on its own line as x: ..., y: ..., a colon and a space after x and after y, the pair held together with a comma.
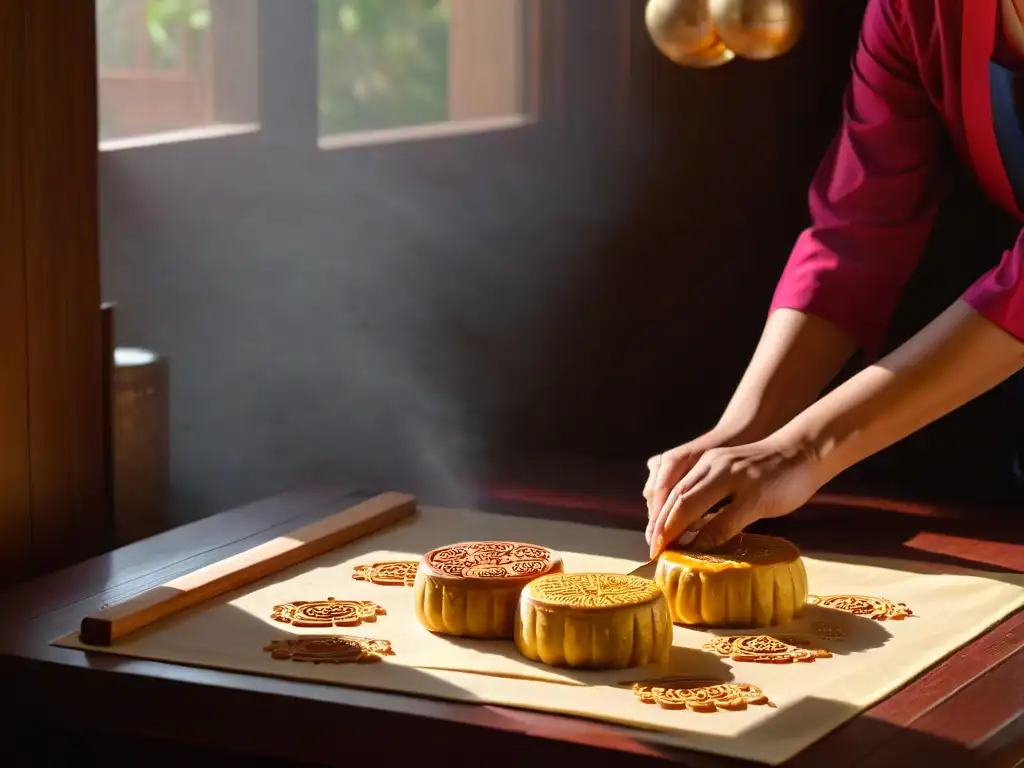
x: 923, y: 95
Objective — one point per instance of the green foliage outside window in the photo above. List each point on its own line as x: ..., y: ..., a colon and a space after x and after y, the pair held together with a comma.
x: 383, y: 63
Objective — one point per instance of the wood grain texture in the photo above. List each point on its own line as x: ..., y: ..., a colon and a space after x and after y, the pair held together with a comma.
x: 176, y: 552
x: 974, y: 724
x: 111, y: 624
x: 62, y: 281
x: 15, y: 487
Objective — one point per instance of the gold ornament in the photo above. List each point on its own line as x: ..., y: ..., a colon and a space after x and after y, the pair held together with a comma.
x: 684, y: 32
x: 758, y: 29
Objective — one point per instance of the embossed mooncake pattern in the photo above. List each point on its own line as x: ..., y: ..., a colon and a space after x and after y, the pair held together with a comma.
x: 492, y: 560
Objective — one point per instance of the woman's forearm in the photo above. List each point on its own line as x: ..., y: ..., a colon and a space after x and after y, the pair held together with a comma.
x: 797, y: 356
x: 954, y: 359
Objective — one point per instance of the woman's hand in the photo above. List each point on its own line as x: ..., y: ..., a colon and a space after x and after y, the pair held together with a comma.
x: 666, y: 470
x: 797, y: 356
x: 769, y: 478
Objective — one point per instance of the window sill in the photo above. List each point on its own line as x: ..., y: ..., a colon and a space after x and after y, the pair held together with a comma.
x: 424, y: 132
x: 206, y: 132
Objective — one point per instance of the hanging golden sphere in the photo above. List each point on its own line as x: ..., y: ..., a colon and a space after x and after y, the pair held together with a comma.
x: 680, y: 28
x: 758, y: 29
x: 715, y: 56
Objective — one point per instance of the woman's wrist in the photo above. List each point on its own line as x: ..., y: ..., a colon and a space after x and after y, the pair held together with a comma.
x: 822, y: 446
x: 727, y: 434
x: 732, y: 432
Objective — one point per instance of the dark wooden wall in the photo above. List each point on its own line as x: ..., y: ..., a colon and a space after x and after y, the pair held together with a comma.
x: 53, y: 504
x: 393, y: 314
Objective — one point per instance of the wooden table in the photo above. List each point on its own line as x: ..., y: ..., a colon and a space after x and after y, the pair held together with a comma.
x: 968, y: 710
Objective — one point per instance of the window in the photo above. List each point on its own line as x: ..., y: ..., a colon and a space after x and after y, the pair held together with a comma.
x: 404, y: 63
x: 367, y: 128
x: 172, y: 66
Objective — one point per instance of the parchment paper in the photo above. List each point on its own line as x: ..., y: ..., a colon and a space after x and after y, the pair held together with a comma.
x: 951, y: 606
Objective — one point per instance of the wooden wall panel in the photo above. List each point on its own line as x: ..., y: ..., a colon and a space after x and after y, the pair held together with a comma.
x: 15, y: 496
x: 53, y: 499
x: 70, y: 516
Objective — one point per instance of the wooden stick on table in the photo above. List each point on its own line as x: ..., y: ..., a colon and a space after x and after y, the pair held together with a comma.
x: 113, y: 623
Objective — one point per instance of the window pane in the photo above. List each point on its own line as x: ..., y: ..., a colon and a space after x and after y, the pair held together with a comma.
x: 411, y: 62
x: 156, y: 70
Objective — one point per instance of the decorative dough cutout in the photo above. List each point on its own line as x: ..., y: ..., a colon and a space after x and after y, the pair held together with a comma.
x: 699, y: 695
x: 330, y: 649
x: 765, y: 649
x: 327, y: 613
x: 877, y: 608
x: 396, y: 573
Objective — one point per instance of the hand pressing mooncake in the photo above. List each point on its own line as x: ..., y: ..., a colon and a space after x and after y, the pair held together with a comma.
x: 751, y: 581
x: 593, y: 621
x: 471, y: 589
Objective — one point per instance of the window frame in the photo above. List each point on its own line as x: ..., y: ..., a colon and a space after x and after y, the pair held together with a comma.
x: 279, y: 42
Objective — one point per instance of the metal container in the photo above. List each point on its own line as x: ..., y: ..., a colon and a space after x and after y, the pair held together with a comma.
x: 141, y: 444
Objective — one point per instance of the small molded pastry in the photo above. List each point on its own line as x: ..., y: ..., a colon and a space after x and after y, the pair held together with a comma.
x: 330, y: 649
x: 765, y: 649
x: 593, y: 621
x: 471, y: 589
x: 877, y: 608
x: 699, y: 695
x: 327, y: 613
x: 400, y: 573
x: 751, y: 581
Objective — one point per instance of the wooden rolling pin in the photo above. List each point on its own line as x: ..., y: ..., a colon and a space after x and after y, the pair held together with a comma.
x: 112, y: 624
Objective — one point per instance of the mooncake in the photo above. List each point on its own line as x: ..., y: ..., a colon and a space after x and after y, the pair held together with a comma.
x: 751, y: 581
x: 593, y: 621
x: 472, y: 589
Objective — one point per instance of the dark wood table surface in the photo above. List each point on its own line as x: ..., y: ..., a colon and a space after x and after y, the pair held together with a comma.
x: 966, y: 710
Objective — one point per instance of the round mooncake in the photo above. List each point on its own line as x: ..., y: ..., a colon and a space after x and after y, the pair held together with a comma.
x: 751, y: 581
x: 593, y: 621
x: 471, y: 589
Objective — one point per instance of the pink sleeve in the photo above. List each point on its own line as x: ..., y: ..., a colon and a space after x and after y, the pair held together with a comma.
x: 999, y: 294
x: 874, y: 198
